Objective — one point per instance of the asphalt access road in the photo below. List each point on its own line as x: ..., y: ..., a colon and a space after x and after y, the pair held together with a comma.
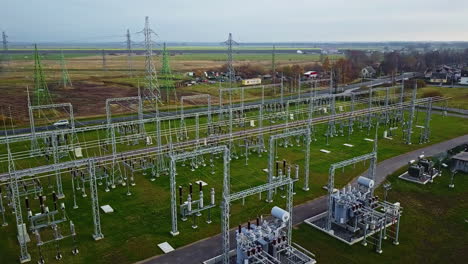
x: 211, y: 247
x: 347, y: 89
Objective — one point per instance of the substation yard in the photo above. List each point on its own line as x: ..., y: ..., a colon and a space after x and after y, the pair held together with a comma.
x: 142, y: 219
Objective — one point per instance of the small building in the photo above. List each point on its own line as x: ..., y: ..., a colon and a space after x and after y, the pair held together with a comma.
x: 311, y: 74
x: 439, y: 77
x: 368, y: 72
x: 253, y: 81
x: 460, y: 162
x: 464, y: 77
x: 428, y: 73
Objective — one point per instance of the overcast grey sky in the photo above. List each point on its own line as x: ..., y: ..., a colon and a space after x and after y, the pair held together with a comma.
x: 248, y: 20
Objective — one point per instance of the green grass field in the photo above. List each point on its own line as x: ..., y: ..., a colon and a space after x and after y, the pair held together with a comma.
x: 459, y: 96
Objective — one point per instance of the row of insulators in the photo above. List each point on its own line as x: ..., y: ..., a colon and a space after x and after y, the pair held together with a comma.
x: 355, y: 207
x: 373, y: 200
x: 200, y: 187
x: 44, y: 209
x: 128, y: 128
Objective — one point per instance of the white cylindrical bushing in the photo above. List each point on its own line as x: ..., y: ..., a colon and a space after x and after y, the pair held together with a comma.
x: 366, y: 182
x: 212, y: 196
x: 201, y: 199
x: 280, y: 214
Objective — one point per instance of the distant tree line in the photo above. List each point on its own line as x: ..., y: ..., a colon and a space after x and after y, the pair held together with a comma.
x: 348, y: 68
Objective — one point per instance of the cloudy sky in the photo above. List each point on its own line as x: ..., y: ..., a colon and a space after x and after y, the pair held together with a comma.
x: 248, y: 20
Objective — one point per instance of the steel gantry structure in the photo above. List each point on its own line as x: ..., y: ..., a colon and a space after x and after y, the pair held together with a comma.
x: 164, y: 148
x: 228, y: 198
x: 301, y: 132
x: 185, y: 155
x: 331, y: 178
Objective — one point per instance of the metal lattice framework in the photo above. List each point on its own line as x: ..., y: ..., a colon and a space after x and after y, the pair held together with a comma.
x: 111, y: 126
x: 129, y: 53
x: 331, y: 178
x: 273, y: 138
x: 250, y: 107
x: 186, y: 155
x: 94, y: 200
x: 21, y: 227
x: 104, y: 60
x: 214, y: 140
x: 231, y: 73
x: 409, y: 126
x: 41, y: 91
x: 65, y: 81
x: 6, y: 55
x: 228, y: 198
x: 168, y: 83
x: 35, y: 148
x: 151, y: 90
x: 183, y: 128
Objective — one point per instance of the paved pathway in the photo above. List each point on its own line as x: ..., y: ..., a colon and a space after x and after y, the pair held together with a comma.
x: 211, y: 247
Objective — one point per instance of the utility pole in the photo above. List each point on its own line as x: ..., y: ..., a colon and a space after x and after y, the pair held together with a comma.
x: 104, y: 62
x: 129, y: 54
x: 152, y: 87
x: 65, y: 81
x: 230, y: 67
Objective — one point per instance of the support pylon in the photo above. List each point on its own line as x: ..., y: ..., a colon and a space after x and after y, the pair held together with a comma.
x: 41, y: 91
x: 6, y: 55
x: 166, y: 74
x: 273, y: 64
x: 65, y: 80
x: 151, y: 90
x: 104, y: 60
x: 129, y: 53
x: 231, y: 73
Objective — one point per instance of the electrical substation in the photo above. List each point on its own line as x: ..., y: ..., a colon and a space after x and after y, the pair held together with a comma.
x: 52, y: 169
x: 355, y: 214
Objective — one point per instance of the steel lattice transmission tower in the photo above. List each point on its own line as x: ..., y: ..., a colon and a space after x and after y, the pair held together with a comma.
x: 151, y: 87
x: 273, y: 64
x: 65, y: 81
x: 5, y: 56
x: 104, y: 60
x: 41, y: 91
x: 129, y: 53
x: 230, y: 67
x: 166, y: 74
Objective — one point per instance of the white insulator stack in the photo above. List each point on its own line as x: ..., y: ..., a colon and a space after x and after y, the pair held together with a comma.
x: 201, y: 199
x: 212, y: 196
x: 189, y: 203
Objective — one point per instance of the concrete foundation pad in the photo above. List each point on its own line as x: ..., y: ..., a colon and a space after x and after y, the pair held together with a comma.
x: 202, y: 183
x: 107, y: 209
x: 423, y: 180
x: 165, y: 247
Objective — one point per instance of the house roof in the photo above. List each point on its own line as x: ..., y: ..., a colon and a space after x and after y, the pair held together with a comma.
x: 438, y: 75
x: 369, y: 69
x: 461, y: 156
